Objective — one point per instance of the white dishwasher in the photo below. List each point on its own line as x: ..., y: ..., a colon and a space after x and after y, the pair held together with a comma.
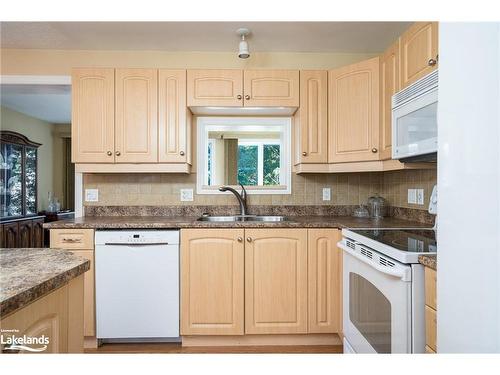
x: 137, y: 285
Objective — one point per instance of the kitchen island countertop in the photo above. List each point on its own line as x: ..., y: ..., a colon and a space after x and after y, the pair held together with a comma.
x: 28, y: 274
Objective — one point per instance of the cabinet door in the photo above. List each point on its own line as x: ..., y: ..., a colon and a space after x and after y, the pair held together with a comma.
x: 93, y: 115
x: 46, y: 316
x: 212, y: 277
x: 419, y: 46
x: 389, y: 85
x: 25, y: 234
x: 173, y: 126
x: 312, y: 116
x: 271, y: 88
x: 354, y: 112
x: 136, y: 139
x: 276, y: 281
x: 10, y: 235
x: 38, y: 233
x: 215, y: 88
x: 88, y: 293
x: 325, y: 281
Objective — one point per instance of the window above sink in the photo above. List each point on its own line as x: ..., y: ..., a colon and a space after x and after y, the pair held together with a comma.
x: 252, y: 151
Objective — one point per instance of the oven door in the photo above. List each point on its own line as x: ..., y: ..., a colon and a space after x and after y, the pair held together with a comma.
x: 376, y: 306
x: 414, y: 126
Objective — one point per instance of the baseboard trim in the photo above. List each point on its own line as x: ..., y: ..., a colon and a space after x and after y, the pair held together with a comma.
x: 263, y: 340
x: 89, y: 342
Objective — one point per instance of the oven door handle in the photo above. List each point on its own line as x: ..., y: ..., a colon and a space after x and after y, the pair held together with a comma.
x: 403, y: 274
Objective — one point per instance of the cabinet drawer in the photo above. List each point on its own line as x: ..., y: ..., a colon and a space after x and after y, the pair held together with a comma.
x: 430, y: 288
x: 72, y: 238
x: 430, y: 327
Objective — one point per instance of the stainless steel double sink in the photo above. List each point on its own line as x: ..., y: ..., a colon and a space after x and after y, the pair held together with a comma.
x: 246, y: 218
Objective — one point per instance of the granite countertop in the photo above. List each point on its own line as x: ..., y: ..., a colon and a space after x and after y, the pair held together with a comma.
x: 28, y: 274
x: 428, y: 261
x: 176, y: 222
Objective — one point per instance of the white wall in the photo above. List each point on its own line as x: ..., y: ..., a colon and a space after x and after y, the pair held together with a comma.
x: 469, y: 188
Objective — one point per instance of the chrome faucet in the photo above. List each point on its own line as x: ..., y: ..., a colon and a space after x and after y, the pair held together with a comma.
x: 242, y: 197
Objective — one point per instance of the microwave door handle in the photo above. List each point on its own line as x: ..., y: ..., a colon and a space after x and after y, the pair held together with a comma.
x: 401, y: 274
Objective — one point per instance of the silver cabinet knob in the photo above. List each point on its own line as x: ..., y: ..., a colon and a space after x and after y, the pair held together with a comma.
x: 240, y: 239
x: 118, y: 153
x: 181, y: 153
x: 239, y: 97
x: 109, y: 153
x: 247, y: 97
x: 374, y: 150
x: 304, y: 153
x: 249, y: 239
x: 432, y: 62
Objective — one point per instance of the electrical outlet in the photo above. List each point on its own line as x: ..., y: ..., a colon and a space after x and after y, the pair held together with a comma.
x: 412, y: 196
x: 327, y: 194
x: 91, y: 195
x: 420, y: 196
x: 186, y: 195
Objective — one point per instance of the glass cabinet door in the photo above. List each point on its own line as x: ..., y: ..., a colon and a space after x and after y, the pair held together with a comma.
x: 18, y: 176
x: 12, y: 180
x: 30, y: 183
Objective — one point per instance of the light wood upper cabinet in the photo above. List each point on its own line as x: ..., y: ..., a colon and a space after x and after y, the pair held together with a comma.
x: 325, y: 281
x: 419, y: 51
x: 354, y: 112
x: 211, y: 87
x: 93, y: 115
x: 275, y: 281
x: 212, y: 282
x: 312, y: 118
x: 271, y: 88
x: 174, y: 119
x: 389, y: 85
x: 136, y: 130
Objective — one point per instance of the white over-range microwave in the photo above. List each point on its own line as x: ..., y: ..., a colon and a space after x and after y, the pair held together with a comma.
x: 414, y: 120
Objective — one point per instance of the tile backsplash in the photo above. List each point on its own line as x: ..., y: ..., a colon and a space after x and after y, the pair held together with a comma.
x: 346, y: 189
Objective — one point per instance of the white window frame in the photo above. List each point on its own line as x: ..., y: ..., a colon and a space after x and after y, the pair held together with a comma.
x: 281, y: 124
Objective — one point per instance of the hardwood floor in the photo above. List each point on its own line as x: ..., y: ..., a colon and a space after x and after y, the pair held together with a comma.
x: 179, y: 349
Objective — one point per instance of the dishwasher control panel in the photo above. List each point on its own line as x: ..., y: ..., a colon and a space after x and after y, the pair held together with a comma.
x: 170, y: 237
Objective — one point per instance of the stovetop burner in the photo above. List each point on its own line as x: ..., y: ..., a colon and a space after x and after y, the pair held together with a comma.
x: 409, y: 240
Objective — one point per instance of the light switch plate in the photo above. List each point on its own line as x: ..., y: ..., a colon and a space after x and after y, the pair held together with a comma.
x: 327, y: 194
x: 186, y: 195
x: 420, y: 196
x: 412, y: 196
x: 91, y: 195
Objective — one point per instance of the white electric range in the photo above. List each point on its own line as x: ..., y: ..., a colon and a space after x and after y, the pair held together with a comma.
x: 383, y: 286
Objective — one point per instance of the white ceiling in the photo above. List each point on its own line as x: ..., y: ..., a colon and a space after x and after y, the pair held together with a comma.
x: 51, y: 103
x: 346, y: 37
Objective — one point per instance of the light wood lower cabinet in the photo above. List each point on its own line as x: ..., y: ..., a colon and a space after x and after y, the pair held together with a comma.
x: 58, y: 316
x: 430, y: 310
x: 80, y: 242
x: 276, y: 281
x: 291, y: 277
x: 212, y: 282
x: 89, y: 293
x: 325, y: 281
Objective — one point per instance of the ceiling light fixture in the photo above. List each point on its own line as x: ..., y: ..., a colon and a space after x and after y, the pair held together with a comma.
x: 243, y: 52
